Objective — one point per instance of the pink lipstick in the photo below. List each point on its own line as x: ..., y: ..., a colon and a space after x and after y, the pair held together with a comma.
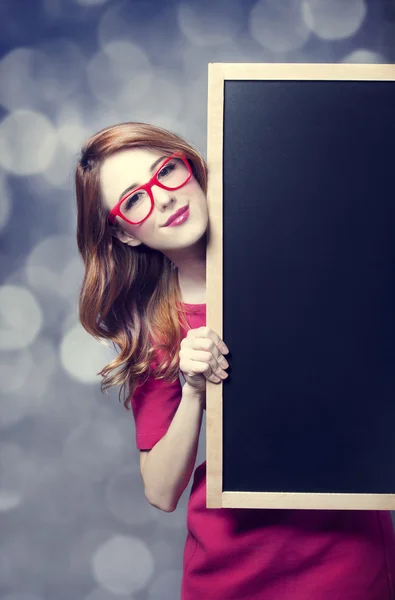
x: 179, y: 217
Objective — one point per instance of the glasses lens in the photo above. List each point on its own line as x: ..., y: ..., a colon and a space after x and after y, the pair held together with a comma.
x: 136, y: 206
x: 174, y: 173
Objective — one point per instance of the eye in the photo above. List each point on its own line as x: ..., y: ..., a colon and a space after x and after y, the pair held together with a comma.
x: 132, y: 199
x: 167, y: 170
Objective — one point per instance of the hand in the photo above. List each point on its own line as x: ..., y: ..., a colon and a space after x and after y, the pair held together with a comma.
x: 201, y: 358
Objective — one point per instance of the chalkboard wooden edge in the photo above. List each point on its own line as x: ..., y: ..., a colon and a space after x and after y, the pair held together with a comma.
x: 214, y: 278
x: 289, y: 500
x: 218, y: 74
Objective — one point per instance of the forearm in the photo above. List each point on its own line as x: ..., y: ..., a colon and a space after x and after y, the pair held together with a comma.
x: 168, y: 466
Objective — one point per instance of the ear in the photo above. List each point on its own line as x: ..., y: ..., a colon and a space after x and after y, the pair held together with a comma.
x: 126, y: 238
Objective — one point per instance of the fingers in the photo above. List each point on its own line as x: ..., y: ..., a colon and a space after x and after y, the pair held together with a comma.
x: 207, y: 345
x: 203, y: 362
x: 204, y: 338
x: 201, y: 352
x: 194, y: 368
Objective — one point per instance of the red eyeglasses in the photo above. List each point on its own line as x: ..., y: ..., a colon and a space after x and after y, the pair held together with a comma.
x: 137, y: 205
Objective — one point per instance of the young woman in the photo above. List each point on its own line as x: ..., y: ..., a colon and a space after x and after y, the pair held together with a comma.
x: 142, y: 223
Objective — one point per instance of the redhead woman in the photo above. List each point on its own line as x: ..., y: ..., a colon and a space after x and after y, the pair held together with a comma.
x: 142, y: 233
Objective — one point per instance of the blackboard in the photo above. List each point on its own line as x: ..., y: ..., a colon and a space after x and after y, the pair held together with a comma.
x: 301, y: 285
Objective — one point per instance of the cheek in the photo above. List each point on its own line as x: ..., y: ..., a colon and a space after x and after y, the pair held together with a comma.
x: 194, y: 189
x: 195, y: 184
x: 141, y: 232
x: 131, y: 229
x: 144, y: 231
x: 203, y: 200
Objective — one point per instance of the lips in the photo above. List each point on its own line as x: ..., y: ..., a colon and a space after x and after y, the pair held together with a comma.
x: 175, y: 216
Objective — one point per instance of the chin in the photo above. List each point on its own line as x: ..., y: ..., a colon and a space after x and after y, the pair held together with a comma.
x: 188, y: 241
x: 197, y: 235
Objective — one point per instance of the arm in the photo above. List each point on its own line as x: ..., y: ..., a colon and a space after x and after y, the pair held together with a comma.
x: 167, y: 468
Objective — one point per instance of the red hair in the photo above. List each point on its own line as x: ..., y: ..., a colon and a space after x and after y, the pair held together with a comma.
x: 130, y: 296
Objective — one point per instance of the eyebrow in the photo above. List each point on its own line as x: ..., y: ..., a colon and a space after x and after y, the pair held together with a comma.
x: 135, y: 185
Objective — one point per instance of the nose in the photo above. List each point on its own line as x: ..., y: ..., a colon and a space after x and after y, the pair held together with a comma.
x: 162, y: 197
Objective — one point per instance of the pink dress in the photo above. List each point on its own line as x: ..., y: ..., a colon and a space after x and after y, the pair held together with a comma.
x: 262, y: 554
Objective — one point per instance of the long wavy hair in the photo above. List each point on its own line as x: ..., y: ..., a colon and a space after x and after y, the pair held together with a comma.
x: 130, y: 296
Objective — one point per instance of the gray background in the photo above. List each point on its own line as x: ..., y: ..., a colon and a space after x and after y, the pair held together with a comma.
x: 74, y: 519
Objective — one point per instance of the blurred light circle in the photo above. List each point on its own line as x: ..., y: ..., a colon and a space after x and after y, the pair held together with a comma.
x: 70, y: 319
x: 14, y: 369
x: 278, y: 26
x: 99, y: 118
x: 82, y: 356
x: 63, y: 71
x: 208, y: 23
x: 242, y: 49
x: 60, y: 173
x: 18, y: 471
x: 71, y: 278
x: 41, y: 283
x: 120, y: 75
x: 123, y: 565
x: 24, y: 90
x: 164, y: 101
x: 46, y: 74
x: 126, y: 54
x: 45, y: 361
x: 5, y: 202
x: 27, y: 142
x: 334, y: 19
x: 166, y: 585
x: 151, y: 24
x: 29, y: 372
x: 81, y: 550
x: 48, y: 261
x: 94, y: 447
x: 72, y: 112
x: 364, y: 56
x: 124, y: 21
x: 20, y: 316
x: 195, y: 93
x: 126, y: 499
x: 9, y: 500
x: 72, y: 135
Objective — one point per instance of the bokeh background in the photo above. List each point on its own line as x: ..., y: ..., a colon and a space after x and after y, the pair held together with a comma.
x: 74, y: 520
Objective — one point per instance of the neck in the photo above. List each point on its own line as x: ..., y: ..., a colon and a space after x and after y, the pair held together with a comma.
x: 191, y: 266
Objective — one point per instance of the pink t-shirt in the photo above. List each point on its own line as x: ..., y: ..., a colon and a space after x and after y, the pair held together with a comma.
x: 265, y: 554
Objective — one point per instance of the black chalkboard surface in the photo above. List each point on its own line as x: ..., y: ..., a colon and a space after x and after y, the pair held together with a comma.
x: 307, y: 199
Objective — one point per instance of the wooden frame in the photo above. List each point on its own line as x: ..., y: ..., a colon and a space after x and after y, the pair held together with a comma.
x: 218, y: 74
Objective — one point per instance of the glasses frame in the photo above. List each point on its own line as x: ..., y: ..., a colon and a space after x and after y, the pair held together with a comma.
x: 116, y: 212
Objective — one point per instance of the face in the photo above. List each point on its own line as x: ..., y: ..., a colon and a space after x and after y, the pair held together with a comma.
x: 136, y: 166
